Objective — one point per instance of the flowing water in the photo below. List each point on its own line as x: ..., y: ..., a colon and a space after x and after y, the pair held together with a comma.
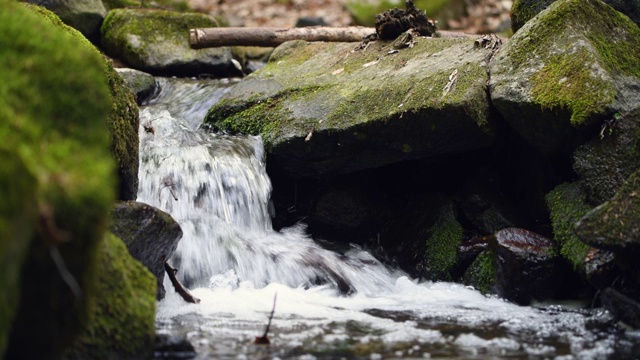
x: 329, y: 305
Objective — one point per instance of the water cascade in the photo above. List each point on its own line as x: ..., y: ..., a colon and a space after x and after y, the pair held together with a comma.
x: 329, y: 305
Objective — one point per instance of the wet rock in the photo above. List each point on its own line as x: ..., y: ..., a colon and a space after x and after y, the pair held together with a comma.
x: 481, y: 273
x: 150, y: 234
x: 564, y: 72
x: 525, y: 265
x: 142, y: 84
x: 621, y: 306
x: 173, y: 347
x: 567, y: 204
x: 524, y: 10
x: 122, y: 320
x: 83, y: 15
x: 325, y: 110
x: 156, y: 41
x: 605, y: 162
x: 615, y: 225
x: 53, y: 116
x: 600, y: 268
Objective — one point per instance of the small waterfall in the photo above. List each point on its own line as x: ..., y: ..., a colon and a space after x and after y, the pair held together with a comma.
x: 217, y: 188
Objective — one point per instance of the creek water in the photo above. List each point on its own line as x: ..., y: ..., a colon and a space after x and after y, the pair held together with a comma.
x: 217, y: 188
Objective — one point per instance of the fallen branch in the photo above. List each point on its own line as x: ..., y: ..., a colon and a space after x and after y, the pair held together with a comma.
x: 271, y: 37
x: 264, y: 340
x: 180, y: 289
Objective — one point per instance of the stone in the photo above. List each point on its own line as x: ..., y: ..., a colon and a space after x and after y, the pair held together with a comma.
x: 615, y: 225
x: 53, y: 120
x: 83, y: 15
x: 621, y: 306
x: 325, y: 109
x: 606, y: 161
x: 525, y: 265
x: 564, y: 72
x: 141, y: 83
x: 524, y: 10
x: 151, y: 235
x: 157, y: 42
x: 122, y: 319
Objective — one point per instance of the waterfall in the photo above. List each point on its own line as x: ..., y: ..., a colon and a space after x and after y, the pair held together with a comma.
x: 216, y: 187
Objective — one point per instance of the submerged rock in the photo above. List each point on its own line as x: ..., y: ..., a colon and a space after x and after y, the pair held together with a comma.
x: 150, y: 234
x: 325, y: 109
x: 53, y: 116
x: 525, y: 265
x: 565, y: 72
x: 157, y: 41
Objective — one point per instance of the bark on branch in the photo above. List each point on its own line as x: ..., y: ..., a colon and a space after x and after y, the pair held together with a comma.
x: 271, y: 37
x: 180, y: 289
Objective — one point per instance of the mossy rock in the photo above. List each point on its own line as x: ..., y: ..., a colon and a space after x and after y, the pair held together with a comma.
x: 364, y: 12
x: 615, y: 225
x: 176, y: 5
x: 83, y: 15
x: 143, y: 85
x: 524, y: 10
x: 324, y: 109
x: 604, y: 163
x: 122, y: 319
x: 441, y: 250
x: 157, y: 42
x: 565, y: 72
x: 123, y: 118
x: 567, y: 204
x: 18, y: 214
x: 54, y: 104
x: 481, y: 274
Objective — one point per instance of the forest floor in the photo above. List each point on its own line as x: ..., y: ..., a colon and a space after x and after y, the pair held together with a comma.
x: 479, y: 16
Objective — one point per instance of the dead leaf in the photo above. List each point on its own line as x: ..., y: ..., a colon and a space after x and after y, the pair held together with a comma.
x: 452, y: 80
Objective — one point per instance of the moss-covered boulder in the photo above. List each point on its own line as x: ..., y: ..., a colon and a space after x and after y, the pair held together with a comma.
x: 83, y: 15
x: 177, y: 5
x: 615, y: 225
x: 54, y: 104
x: 524, y: 10
x: 441, y: 245
x: 565, y: 72
x: 122, y: 319
x: 326, y: 108
x: 151, y: 235
x: 157, y: 41
x: 605, y: 162
x: 567, y: 204
x: 141, y: 83
x: 18, y: 214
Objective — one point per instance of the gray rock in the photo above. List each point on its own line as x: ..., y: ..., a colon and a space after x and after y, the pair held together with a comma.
x: 150, y: 234
x: 157, y: 41
x: 324, y: 109
x: 83, y: 15
x: 141, y: 83
x: 564, y: 72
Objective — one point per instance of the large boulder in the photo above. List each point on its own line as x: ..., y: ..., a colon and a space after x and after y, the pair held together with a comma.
x: 54, y: 106
x: 524, y: 10
x: 151, y: 235
x: 85, y: 16
x: 157, y: 41
x: 328, y: 108
x: 565, y: 72
x: 122, y: 319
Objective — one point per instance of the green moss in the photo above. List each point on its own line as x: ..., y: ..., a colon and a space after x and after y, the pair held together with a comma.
x: 122, y: 319
x: 567, y: 205
x: 364, y: 12
x: 54, y: 103
x: 481, y: 274
x: 565, y: 81
x: 18, y: 213
x: 176, y: 5
x: 441, y: 251
x: 524, y: 10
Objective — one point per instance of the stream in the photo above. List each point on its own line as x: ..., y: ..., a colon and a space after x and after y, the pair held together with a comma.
x: 217, y: 188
